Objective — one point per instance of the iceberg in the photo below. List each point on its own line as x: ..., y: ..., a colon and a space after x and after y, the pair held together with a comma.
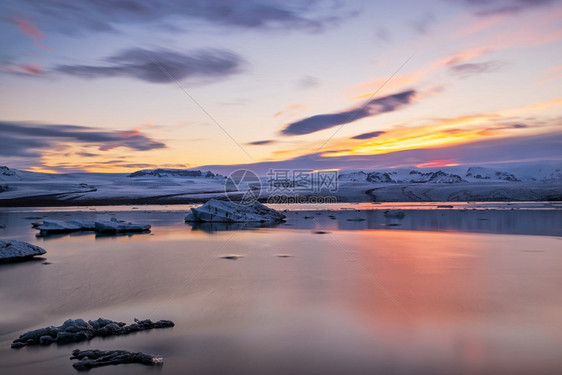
x: 229, y: 212
x: 15, y: 251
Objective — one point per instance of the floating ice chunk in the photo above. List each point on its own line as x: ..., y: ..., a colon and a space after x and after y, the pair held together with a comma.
x: 229, y: 212
x: 60, y: 226
x: 14, y: 251
x: 116, y: 226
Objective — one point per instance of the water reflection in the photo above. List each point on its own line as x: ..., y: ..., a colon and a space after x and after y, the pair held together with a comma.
x: 219, y: 227
x: 297, y: 301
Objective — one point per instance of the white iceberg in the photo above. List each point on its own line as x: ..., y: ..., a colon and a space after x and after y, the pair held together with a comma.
x: 13, y: 251
x: 116, y: 226
x: 60, y: 226
x: 229, y: 212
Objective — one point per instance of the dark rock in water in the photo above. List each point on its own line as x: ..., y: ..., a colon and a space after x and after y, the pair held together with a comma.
x: 88, y: 359
x: 77, y: 330
x: 15, y: 251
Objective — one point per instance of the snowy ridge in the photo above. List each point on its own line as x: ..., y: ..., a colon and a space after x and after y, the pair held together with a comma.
x: 448, y: 175
x: 161, y: 172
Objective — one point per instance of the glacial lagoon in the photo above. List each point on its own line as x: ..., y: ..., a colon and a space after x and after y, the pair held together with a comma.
x: 462, y: 288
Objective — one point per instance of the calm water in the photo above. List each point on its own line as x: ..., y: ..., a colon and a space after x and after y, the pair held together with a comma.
x: 439, y: 291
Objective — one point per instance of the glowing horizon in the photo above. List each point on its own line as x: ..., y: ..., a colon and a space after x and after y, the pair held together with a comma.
x: 307, y: 85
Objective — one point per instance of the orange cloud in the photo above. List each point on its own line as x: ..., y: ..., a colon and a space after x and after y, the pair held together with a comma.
x: 28, y: 29
x: 131, y: 133
x: 401, y: 81
x: 438, y: 163
x: 31, y: 68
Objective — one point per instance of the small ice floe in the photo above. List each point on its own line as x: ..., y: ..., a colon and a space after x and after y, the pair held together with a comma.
x: 116, y: 226
x: 88, y: 359
x: 16, y: 251
x: 356, y: 219
x: 77, y: 330
x: 229, y: 212
x: 232, y: 256
x: 49, y: 227
x: 394, y: 213
x: 60, y: 226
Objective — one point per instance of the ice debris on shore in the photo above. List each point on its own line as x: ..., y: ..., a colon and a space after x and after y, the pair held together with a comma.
x: 14, y: 251
x: 88, y: 359
x: 229, y: 212
x: 108, y: 226
x: 76, y: 330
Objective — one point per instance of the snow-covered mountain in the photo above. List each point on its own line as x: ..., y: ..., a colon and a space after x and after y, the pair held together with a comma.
x: 168, y: 186
x: 161, y: 172
x: 481, y: 173
x: 403, y: 177
x: 454, y: 175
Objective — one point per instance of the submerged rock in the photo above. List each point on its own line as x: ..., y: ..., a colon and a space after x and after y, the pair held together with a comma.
x: 76, y: 330
x: 15, y: 251
x: 229, y: 212
x: 116, y: 226
x: 88, y: 359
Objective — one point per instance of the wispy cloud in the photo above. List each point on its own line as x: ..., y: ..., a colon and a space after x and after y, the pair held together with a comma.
x: 493, y: 7
x: 98, y: 16
x: 145, y: 65
x: 373, y: 107
x: 28, y: 29
x: 468, y: 69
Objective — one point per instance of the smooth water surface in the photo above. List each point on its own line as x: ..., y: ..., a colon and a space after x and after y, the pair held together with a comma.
x: 436, y: 292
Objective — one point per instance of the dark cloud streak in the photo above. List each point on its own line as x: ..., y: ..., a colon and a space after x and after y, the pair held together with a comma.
x: 29, y: 139
x: 368, y: 135
x: 468, y: 69
x: 145, y: 65
x: 371, y: 108
x: 492, y: 7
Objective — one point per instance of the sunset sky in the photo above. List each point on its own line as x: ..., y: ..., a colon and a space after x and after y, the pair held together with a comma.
x: 117, y: 86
